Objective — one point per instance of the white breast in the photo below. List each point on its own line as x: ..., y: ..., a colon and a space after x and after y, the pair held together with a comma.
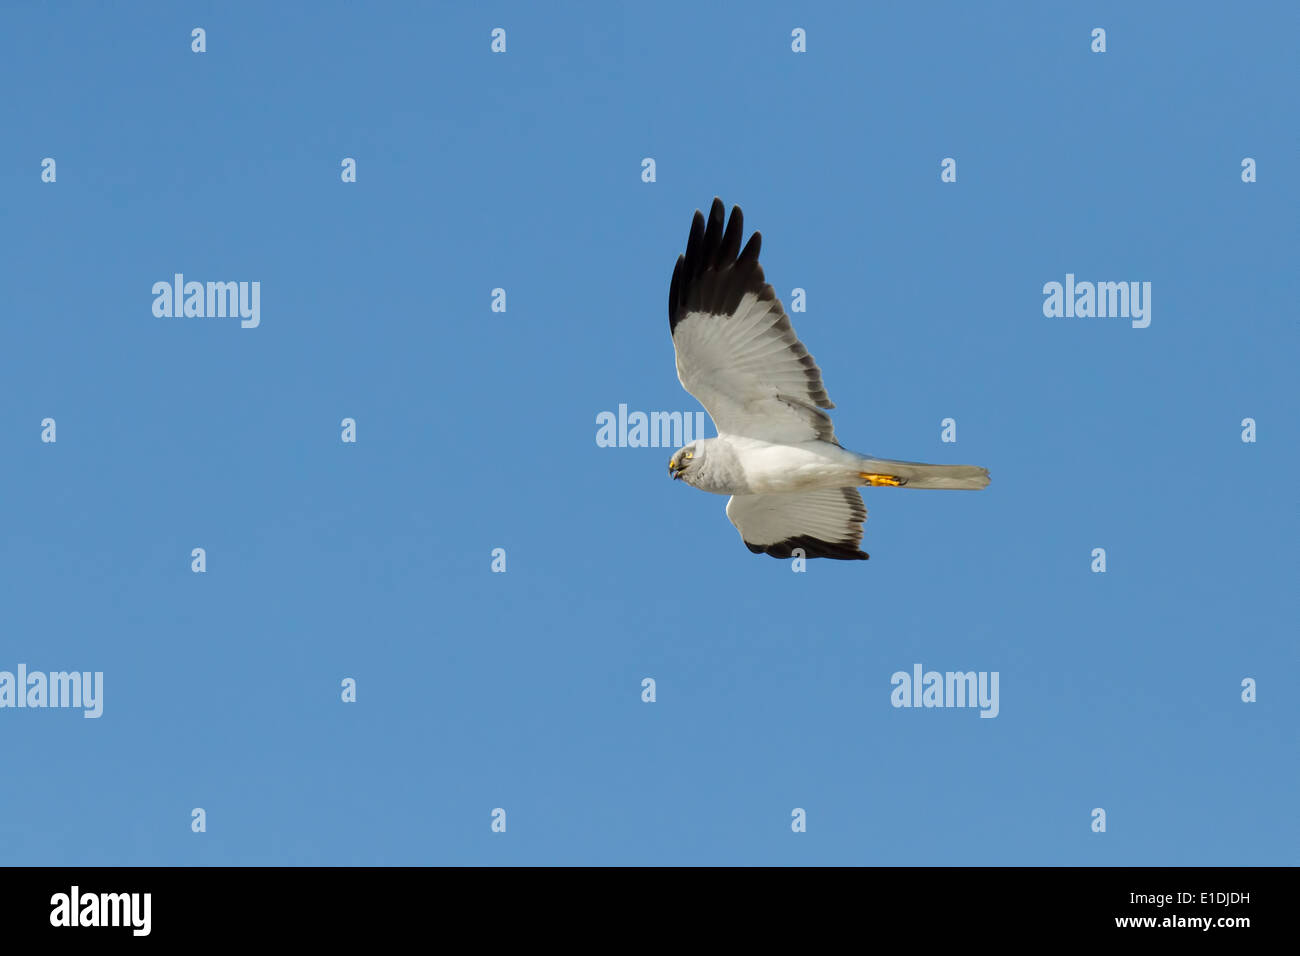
x: 772, y: 468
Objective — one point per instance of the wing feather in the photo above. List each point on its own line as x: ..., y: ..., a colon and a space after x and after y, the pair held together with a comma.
x: 737, y: 352
x: 826, y: 523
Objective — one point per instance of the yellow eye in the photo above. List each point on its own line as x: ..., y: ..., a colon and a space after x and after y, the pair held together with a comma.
x: 690, y: 454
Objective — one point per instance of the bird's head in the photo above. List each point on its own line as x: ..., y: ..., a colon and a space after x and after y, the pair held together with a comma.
x: 684, y: 460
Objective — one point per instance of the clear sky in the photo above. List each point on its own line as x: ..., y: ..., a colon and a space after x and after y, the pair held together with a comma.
x: 476, y: 430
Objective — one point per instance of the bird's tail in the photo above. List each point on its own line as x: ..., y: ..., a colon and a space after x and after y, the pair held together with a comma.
x: 914, y: 474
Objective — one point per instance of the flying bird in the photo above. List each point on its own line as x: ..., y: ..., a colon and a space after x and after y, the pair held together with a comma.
x: 792, y: 485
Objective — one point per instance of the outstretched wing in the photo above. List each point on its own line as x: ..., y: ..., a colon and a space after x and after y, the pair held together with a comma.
x: 736, y: 350
x: 826, y: 523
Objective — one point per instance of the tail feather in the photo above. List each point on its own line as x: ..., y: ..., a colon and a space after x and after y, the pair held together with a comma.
x: 915, y: 474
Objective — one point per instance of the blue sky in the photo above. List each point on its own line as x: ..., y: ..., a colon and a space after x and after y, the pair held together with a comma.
x: 476, y: 430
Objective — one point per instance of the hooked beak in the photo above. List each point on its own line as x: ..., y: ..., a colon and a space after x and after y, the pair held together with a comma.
x: 676, y: 469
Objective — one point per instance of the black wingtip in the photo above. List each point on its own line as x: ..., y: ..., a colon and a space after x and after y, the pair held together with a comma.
x: 713, y: 234
x: 715, y: 273
x: 811, y: 548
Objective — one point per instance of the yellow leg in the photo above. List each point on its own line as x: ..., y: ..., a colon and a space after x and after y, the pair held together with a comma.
x: 877, y: 481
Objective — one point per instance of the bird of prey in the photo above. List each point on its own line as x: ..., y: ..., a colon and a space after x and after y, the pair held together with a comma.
x: 793, y: 487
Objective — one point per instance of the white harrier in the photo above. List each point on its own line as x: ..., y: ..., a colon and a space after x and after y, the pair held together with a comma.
x: 791, y: 483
